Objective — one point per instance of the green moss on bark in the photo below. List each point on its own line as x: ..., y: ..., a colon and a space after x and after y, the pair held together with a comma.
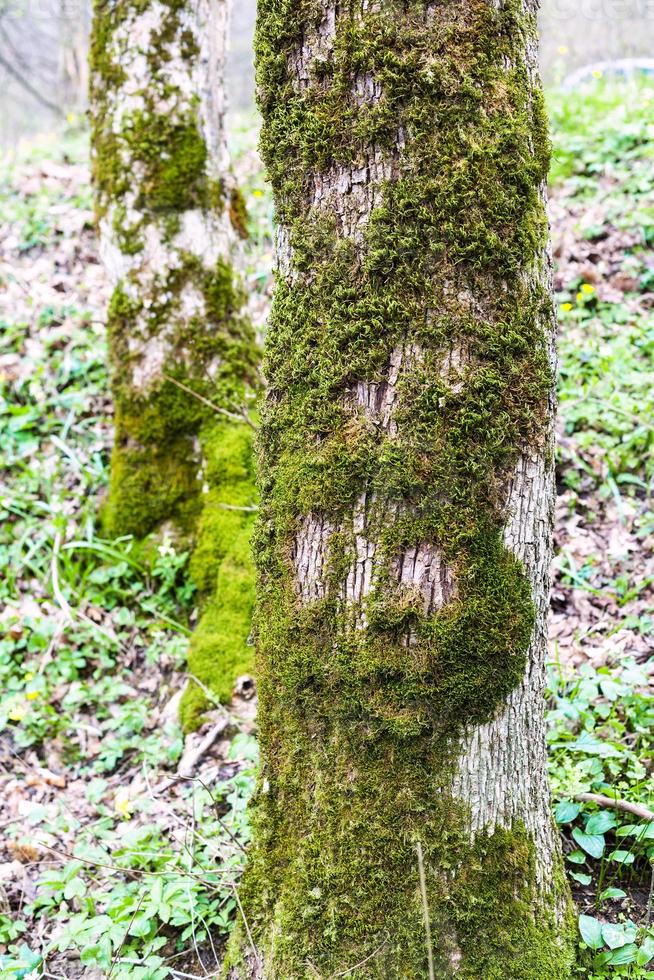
x: 356, y: 904
x: 223, y: 570
x: 176, y: 460
x: 362, y: 720
x: 211, y: 360
x: 449, y: 263
x: 159, y: 147
x: 238, y: 213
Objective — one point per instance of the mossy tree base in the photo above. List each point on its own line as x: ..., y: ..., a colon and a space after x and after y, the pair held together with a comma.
x: 404, y: 537
x: 355, y: 905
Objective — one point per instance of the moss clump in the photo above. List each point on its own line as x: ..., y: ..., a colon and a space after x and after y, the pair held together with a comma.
x: 499, y: 874
x: 212, y: 359
x: 222, y: 569
x: 170, y: 444
x: 148, y: 488
x: 177, y: 460
x: 238, y: 213
x: 174, y: 158
x: 171, y: 157
x: 361, y: 724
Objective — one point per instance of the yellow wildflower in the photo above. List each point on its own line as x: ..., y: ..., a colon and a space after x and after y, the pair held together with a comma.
x: 597, y: 73
x: 17, y: 712
x: 32, y: 695
x: 587, y: 289
x: 566, y: 307
x: 123, y: 804
x: 29, y: 676
x: 579, y: 297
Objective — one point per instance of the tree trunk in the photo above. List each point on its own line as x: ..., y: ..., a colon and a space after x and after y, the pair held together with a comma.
x: 72, y: 54
x: 405, y: 535
x: 182, y: 349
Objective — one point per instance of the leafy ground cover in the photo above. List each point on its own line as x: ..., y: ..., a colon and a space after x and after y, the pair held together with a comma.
x: 123, y: 842
x: 601, y: 712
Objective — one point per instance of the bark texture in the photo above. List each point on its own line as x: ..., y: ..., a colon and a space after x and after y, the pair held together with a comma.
x: 404, y: 542
x: 182, y: 349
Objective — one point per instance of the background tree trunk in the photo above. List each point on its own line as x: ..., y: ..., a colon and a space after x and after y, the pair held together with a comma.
x: 182, y: 349
x: 73, y: 68
x: 405, y: 536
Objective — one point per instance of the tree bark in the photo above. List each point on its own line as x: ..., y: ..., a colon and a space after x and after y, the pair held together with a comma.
x: 183, y: 352
x: 407, y: 476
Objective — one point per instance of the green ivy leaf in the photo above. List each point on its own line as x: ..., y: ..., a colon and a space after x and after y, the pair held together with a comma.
x: 592, y: 844
x: 622, y: 857
x: 646, y: 951
x: 613, y: 935
x: 600, y: 822
x: 566, y: 811
x: 641, y: 831
x: 612, y: 893
x: 627, y: 954
x: 591, y: 931
x: 75, y: 888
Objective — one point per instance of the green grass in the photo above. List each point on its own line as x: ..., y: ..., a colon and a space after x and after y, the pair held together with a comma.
x: 603, y: 126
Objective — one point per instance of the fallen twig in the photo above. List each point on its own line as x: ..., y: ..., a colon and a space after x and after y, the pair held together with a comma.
x: 193, y: 976
x: 610, y: 802
x: 187, y: 766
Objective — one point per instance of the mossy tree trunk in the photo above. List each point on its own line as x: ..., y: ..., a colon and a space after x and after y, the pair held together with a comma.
x: 183, y: 353
x: 407, y: 477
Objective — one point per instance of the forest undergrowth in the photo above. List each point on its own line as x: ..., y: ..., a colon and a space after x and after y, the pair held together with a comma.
x: 123, y: 841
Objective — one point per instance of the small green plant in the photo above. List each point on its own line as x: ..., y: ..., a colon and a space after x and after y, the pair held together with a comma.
x: 600, y: 731
x: 616, y: 948
x: 130, y: 901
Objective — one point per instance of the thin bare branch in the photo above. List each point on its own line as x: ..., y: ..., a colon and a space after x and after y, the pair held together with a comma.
x: 133, y: 871
x: 610, y: 802
x: 28, y: 87
x: 120, y: 948
x: 241, y: 416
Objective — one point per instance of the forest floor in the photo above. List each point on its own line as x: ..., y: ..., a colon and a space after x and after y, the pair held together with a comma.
x: 124, y: 841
